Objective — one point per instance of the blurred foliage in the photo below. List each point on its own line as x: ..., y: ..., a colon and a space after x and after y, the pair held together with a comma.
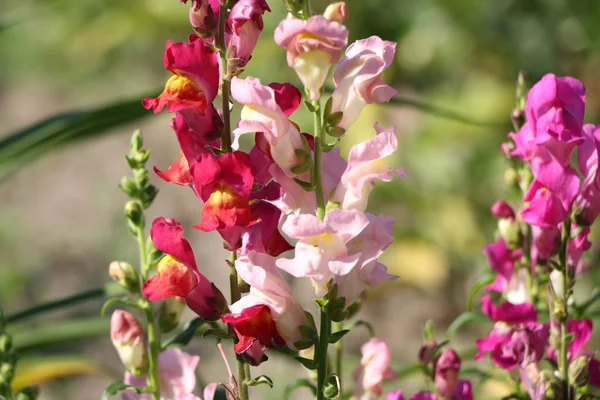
x: 462, y: 55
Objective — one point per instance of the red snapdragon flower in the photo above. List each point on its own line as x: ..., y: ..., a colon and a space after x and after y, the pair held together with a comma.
x: 195, y: 82
x: 178, y: 274
x: 256, y: 331
x: 224, y: 184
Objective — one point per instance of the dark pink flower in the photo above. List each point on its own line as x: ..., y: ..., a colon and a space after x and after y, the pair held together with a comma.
x: 577, y: 246
x: 508, y: 312
x: 502, y: 260
x: 555, y: 108
x: 395, y: 395
x: 550, y: 195
x: 588, y: 201
x: 501, y: 209
x: 545, y: 242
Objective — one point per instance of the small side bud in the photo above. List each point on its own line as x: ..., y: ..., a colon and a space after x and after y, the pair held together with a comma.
x: 510, y: 231
x: 28, y: 393
x: 127, y: 335
x: 125, y: 274
x: 427, y: 352
x: 501, y: 209
x: 559, y: 310
x: 170, y: 312
x: 578, y: 371
x: 134, y: 212
x: 336, y: 12
x: 128, y: 186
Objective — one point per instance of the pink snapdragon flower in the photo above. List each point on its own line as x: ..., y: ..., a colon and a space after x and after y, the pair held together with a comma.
x: 244, y: 26
x: 464, y: 391
x: 312, y: 46
x: 551, y: 195
x: 177, y: 378
x: 262, y: 113
x: 127, y: 335
x: 178, y: 275
x: 195, y: 80
x: 588, y: 202
x: 576, y: 247
x: 555, y: 108
x: 369, y: 272
x: 322, y: 250
x: 374, y: 368
x: 295, y: 199
x: 366, y: 164
x: 358, y: 80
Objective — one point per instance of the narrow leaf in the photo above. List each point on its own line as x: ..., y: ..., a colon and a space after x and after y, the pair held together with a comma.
x: 337, y: 336
x: 297, y: 385
x: 120, y: 386
x: 483, y: 282
x: 308, y: 363
x: 260, y: 380
x: 186, y: 334
x: 38, y: 370
x: 462, y: 320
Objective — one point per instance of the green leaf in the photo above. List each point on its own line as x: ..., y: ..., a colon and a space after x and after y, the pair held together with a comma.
x: 217, y: 332
x: 309, y: 332
x: 120, y: 386
x: 186, y: 334
x: 332, y: 387
x: 59, y: 333
x: 462, y: 320
x: 308, y: 363
x: 109, y: 289
x: 309, y: 187
x: 297, y: 385
x: 311, y: 107
x: 337, y: 336
x: 303, y: 344
x: 41, y: 369
x: 28, y: 144
x: 483, y: 282
x: 260, y: 380
x: 119, y: 300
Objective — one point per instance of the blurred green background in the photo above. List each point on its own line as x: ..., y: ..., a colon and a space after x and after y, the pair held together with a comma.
x: 61, y: 216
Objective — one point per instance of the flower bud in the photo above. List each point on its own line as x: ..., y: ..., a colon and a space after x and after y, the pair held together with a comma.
x: 502, y: 210
x: 510, y: 177
x: 578, y: 371
x: 336, y: 12
x: 427, y: 352
x: 5, y: 343
x: 134, y: 212
x: 170, y: 312
x: 510, y: 231
x: 125, y: 274
x: 559, y: 310
x: 446, y: 373
x: 127, y: 335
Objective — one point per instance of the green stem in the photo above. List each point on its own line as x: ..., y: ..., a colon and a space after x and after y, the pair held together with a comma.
x: 225, y: 80
x: 110, y: 289
x: 151, y: 326
x: 564, y: 360
x: 234, y: 282
x: 316, y: 172
x: 234, y: 286
x: 339, y: 353
x: 321, y: 354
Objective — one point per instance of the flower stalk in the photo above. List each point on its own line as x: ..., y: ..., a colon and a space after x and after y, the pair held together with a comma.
x: 151, y: 325
x: 234, y: 280
x: 563, y: 362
